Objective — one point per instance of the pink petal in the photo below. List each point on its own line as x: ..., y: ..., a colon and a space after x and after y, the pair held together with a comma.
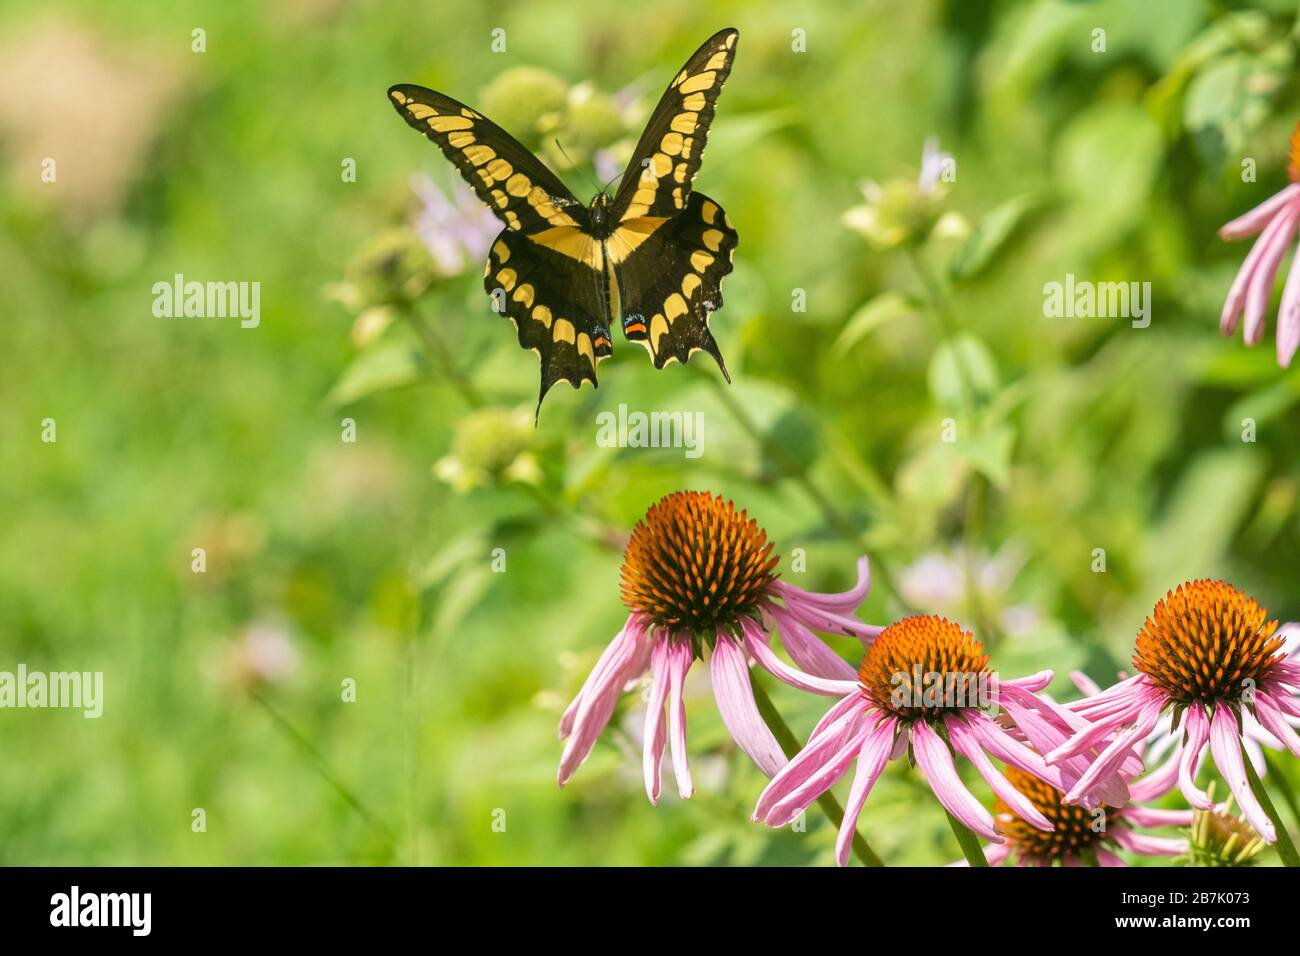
x: 844, y: 602
x: 818, y: 618
x: 936, y: 764
x: 808, y: 650
x: 612, y: 648
x: 969, y: 747
x: 735, y: 696
x: 822, y: 777
x: 1288, y: 315
x: 654, y: 737
x: 1251, y: 223
x: 598, y: 703
x: 1148, y: 845
x: 871, y: 762
x: 1260, y: 292
x: 822, y: 746
x: 756, y: 644
x: 1271, y: 718
x: 1225, y: 744
x: 680, y: 658
x: 1197, y: 729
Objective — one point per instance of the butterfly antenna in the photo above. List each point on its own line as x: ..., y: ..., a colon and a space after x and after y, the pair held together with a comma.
x: 573, y: 165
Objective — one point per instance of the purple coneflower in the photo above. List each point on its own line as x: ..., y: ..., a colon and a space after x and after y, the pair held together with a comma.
x: 1080, y: 837
x: 458, y: 230
x: 922, y: 688
x: 1209, y: 653
x: 1275, y: 221
x: 700, y: 580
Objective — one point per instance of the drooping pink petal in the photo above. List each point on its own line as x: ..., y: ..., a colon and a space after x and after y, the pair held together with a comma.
x: 1251, y: 223
x: 1196, y: 726
x: 680, y: 658
x: 1225, y: 744
x: 612, y: 648
x: 756, y: 644
x: 810, y: 652
x: 1155, y: 817
x: 871, y: 761
x: 630, y: 659
x: 851, y: 703
x: 822, y: 747
x: 817, y: 778
x: 1271, y: 718
x: 1108, y: 762
x: 843, y: 602
x: 1087, y: 686
x: 818, y: 618
x: 968, y: 745
x: 1237, y: 292
x: 1148, y: 845
x: 735, y: 697
x: 655, y: 735
x: 1260, y: 292
x: 1288, y: 316
x: 936, y: 764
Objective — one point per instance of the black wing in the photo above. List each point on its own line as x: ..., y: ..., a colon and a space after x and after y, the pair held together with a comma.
x: 554, y: 292
x: 670, y: 279
x: 545, y: 270
x: 657, y: 181
x: 514, y: 183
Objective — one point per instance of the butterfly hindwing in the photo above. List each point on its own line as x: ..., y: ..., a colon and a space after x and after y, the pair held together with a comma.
x: 514, y: 183
x: 672, y: 280
x: 657, y: 181
x: 554, y: 292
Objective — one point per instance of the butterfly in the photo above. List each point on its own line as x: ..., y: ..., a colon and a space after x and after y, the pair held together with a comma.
x: 651, y: 258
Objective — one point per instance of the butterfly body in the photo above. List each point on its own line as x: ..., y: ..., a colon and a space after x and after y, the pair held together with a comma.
x: 650, y: 259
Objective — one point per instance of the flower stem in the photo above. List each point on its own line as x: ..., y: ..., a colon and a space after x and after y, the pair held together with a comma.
x: 790, y: 745
x: 969, y: 843
x: 322, y: 768
x: 437, y: 350
x: 1285, y: 848
x: 1284, y: 785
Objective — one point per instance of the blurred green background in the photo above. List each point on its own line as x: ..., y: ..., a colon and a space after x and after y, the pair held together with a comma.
x: 373, y: 561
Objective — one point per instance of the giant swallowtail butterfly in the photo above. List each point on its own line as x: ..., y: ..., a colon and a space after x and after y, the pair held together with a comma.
x: 651, y: 258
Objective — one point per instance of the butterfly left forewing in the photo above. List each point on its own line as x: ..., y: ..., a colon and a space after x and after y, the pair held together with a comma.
x: 514, y: 183
x: 671, y: 280
x: 657, y: 181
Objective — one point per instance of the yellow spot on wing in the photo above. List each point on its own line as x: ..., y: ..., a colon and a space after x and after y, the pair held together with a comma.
x: 690, y: 284
x: 501, y: 251
x: 658, y: 329
x: 701, y: 261
x: 717, y: 61
x: 584, y: 348
x: 543, y: 315
x: 684, y: 123
x: 698, y: 82
x: 507, y: 279
x: 694, y: 102
x: 707, y: 211
x: 631, y: 234
x: 563, y: 331
x: 460, y: 140
x: 448, y: 124
x: 524, y: 294
x: 519, y: 184
x: 674, y: 306
x: 480, y: 154
x: 711, y: 238
x: 671, y: 144
x: 572, y: 242
x: 500, y: 169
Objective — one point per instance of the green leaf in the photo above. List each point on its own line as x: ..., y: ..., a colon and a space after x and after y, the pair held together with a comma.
x: 963, y: 373
x: 384, y: 366
x: 990, y: 235
x: 871, y: 315
x: 1263, y: 405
